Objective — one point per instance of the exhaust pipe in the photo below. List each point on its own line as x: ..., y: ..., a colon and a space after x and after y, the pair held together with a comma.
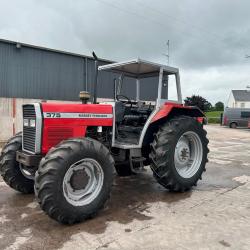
x: 96, y: 77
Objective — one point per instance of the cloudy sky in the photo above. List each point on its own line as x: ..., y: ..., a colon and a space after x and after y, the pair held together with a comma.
x: 208, y: 39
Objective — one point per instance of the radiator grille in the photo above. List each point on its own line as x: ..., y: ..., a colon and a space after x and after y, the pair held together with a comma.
x: 29, y: 133
x: 29, y: 111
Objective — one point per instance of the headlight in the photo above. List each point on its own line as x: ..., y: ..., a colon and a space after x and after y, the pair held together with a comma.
x: 25, y: 122
x: 32, y: 123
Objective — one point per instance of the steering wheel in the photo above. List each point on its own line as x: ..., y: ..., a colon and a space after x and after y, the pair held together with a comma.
x: 120, y: 97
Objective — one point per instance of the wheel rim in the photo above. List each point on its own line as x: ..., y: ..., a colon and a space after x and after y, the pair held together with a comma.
x: 188, y: 154
x: 233, y: 125
x: 26, y: 173
x: 83, y: 182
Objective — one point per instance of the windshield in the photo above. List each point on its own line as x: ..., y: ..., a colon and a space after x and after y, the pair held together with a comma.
x: 127, y: 86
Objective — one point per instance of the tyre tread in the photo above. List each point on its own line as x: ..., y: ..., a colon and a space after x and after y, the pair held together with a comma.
x: 160, y: 149
x: 48, y: 171
x: 9, y: 170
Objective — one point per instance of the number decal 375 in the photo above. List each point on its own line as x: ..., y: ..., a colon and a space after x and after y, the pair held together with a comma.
x: 53, y: 115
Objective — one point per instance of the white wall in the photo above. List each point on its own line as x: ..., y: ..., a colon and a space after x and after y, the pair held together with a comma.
x: 242, y: 105
x: 6, y: 120
x: 10, y: 117
x: 231, y: 101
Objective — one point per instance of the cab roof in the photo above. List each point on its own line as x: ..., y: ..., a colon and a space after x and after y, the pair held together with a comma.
x: 138, y: 68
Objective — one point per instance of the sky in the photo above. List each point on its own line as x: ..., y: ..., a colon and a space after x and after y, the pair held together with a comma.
x: 208, y: 39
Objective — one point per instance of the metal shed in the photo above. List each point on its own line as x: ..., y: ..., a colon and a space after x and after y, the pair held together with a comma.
x: 33, y: 72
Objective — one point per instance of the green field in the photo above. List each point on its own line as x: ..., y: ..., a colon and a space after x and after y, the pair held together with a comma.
x: 213, y: 116
x: 213, y: 113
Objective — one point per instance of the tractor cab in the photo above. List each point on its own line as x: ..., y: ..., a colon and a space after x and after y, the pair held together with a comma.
x: 133, y: 114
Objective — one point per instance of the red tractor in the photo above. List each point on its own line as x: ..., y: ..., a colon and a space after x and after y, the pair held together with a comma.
x: 67, y: 153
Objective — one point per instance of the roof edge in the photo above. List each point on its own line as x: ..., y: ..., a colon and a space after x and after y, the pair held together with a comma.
x: 137, y: 60
x: 52, y: 50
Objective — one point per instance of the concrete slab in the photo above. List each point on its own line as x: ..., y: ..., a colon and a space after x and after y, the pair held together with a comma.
x: 143, y: 215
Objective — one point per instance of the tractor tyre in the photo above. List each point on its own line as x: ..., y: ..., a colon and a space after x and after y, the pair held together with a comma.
x: 74, y: 180
x: 10, y: 168
x: 179, y: 153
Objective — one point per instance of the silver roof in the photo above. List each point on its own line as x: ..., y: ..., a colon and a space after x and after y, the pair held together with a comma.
x: 138, y: 68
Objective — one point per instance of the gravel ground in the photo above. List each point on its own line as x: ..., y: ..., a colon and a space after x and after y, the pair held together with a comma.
x: 142, y: 215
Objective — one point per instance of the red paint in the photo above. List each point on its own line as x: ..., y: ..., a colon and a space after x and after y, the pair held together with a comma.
x: 200, y: 119
x: 225, y: 120
x: 58, y: 129
x: 71, y: 127
x: 166, y: 109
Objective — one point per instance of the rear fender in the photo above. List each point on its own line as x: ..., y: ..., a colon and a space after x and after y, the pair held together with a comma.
x: 170, y: 110
x: 167, y: 112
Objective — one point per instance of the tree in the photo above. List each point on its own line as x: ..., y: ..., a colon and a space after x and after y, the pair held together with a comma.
x: 219, y: 106
x: 199, y: 101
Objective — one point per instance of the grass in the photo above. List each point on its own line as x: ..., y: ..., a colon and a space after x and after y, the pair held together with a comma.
x: 213, y: 116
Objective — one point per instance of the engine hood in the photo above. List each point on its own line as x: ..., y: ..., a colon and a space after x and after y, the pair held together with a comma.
x: 66, y: 120
x: 70, y: 110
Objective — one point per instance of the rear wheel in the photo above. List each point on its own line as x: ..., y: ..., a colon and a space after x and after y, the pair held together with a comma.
x: 233, y: 125
x: 179, y: 153
x: 74, y: 180
x: 12, y: 172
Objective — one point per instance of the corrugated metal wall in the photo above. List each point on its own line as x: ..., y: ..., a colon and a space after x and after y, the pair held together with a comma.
x: 37, y: 73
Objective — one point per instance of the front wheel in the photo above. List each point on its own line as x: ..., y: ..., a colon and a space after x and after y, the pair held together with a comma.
x: 179, y: 153
x: 12, y: 172
x: 74, y: 180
